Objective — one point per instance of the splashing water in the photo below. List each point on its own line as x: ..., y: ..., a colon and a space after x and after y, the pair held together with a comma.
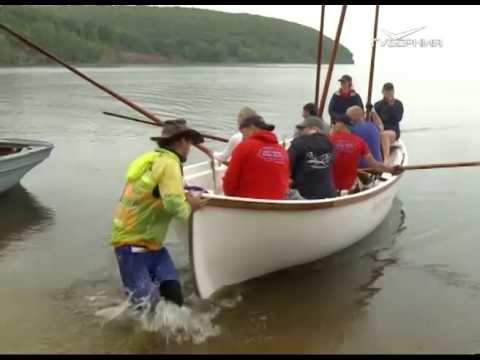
x: 180, y: 324
x: 114, y: 312
x: 193, y: 322
x: 230, y: 303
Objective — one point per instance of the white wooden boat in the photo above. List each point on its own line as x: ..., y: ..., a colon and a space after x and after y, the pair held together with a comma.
x: 27, y: 154
x: 236, y: 239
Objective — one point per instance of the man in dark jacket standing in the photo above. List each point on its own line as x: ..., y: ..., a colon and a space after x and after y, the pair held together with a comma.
x: 343, y: 99
x: 311, y: 158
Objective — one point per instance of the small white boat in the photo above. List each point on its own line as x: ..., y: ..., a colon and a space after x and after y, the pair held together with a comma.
x: 17, y: 157
x: 236, y: 239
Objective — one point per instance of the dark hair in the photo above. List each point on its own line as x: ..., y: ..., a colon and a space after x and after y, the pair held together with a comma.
x: 388, y: 87
x: 310, y: 108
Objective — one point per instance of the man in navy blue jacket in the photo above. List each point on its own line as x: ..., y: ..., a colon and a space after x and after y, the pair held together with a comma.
x: 343, y: 99
x: 390, y: 111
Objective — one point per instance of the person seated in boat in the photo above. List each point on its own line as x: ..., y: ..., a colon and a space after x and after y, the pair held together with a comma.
x: 259, y: 167
x: 152, y: 197
x: 344, y: 98
x: 349, y: 149
x: 311, y: 158
x: 390, y: 111
x: 225, y: 155
x: 367, y: 130
x: 309, y: 109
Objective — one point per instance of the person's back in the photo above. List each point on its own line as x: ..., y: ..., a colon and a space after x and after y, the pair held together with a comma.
x: 259, y: 168
x: 152, y: 197
x: 369, y: 132
x: 142, y: 216
x: 349, y: 149
x: 311, y: 158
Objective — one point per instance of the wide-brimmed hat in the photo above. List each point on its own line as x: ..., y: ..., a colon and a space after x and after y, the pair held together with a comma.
x: 174, y: 129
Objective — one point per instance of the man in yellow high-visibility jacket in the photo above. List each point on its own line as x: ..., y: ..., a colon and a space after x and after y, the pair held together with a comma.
x: 152, y: 197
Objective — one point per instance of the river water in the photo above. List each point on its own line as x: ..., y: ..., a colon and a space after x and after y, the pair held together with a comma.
x: 411, y: 286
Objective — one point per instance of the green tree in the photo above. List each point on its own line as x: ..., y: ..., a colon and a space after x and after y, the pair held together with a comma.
x: 90, y: 33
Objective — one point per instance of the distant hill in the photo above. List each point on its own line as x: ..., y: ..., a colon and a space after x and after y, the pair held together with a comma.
x: 147, y: 34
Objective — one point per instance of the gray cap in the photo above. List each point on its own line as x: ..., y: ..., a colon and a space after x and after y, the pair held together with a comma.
x: 312, y: 121
x: 257, y: 121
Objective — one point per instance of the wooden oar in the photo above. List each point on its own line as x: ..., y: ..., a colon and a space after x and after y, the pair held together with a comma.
x: 124, y: 100
x: 214, y: 174
x: 206, y: 136
x: 441, y: 165
x: 432, y: 166
x: 80, y: 74
x: 333, y: 55
x: 130, y: 118
x: 319, y: 56
x: 372, y: 62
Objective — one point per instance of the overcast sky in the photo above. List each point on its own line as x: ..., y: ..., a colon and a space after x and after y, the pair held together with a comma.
x: 454, y: 25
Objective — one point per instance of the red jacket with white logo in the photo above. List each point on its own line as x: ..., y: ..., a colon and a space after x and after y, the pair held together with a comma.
x: 259, y: 169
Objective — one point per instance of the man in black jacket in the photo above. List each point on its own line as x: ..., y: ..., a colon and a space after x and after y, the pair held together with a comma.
x: 390, y: 111
x: 311, y: 157
x: 344, y: 98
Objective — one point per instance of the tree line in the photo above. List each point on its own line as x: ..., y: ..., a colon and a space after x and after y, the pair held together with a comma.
x: 102, y: 34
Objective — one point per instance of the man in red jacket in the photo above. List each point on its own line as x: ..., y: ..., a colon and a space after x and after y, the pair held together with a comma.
x: 259, y: 166
x: 349, y: 149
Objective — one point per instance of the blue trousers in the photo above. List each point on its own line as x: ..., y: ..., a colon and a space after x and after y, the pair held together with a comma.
x: 143, y: 271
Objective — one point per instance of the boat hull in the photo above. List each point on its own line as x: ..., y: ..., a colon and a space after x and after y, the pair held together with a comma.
x: 14, y: 167
x: 231, y: 245
x: 234, y: 239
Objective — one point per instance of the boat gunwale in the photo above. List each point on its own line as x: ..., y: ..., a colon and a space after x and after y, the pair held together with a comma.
x: 298, y: 205
x: 35, y: 147
x: 23, y: 142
